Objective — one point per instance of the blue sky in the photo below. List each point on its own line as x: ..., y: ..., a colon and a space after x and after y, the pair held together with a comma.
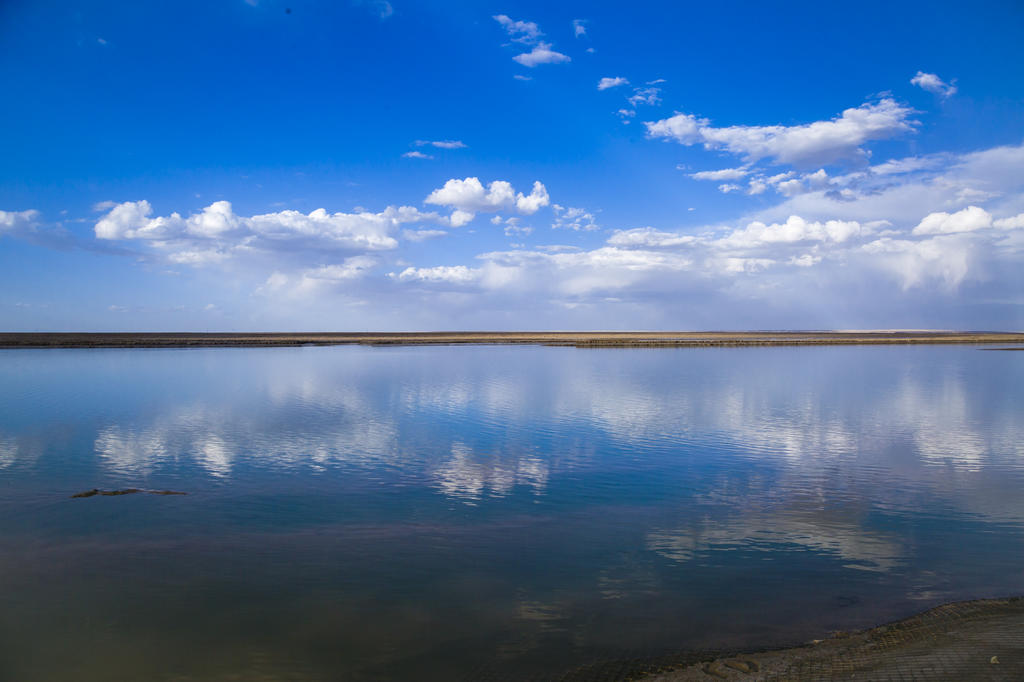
x: 302, y: 165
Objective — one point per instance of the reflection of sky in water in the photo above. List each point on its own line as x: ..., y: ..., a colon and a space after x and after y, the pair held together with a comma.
x: 543, y: 495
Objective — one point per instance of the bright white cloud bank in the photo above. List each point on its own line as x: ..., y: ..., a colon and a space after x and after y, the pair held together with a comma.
x: 911, y: 232
x: 811, y: 143
x: 912, y: 236
x: 217, y: 235
x: 220, y: 230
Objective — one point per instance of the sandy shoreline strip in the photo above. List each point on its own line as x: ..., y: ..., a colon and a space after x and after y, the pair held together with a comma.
x: 575, y: 339
x: 967, y: 640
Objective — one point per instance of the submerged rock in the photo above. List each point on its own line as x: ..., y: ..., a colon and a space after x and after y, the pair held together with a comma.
x: 125, y: 491
x: 87, y: 493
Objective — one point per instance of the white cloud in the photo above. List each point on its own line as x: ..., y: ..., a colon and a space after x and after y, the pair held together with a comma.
x: 1012, y: 223
x: 946, y: 258
x: 756, y: 186
x: 352, y: 268
x: 576, y: 219
x: 812, y: 143
x: 528, y: 33
x: 14, y: 221
x: 910, y: 164
x: 469, y: 197
x: 795, y: 229
x: 647, y: 96
x: 541, y: 54
x: 456, y: 274
x: 534, y: 201
x: 861, y: 242
x: 968, y: 220
x: 217, y: 232
x: 788, y: 187
x: 520, y: 31
x: 579, y: 27
x: 123, y: 221
x: 934, y: 84
x: 459, y: 218
x: 422, y: 235
x: 805, y: 260
x: 417, y: 155
x: 903, y: 238
x: 723, y: 174
x: 648, y: 237
x: 514, y: 229
x: 442, y: 144
x: 729, y: 187
x: 606, y: 83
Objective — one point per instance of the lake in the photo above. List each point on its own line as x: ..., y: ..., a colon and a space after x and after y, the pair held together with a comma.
x: 490, y: 512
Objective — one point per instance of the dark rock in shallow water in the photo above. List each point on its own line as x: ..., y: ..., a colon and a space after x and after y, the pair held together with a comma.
x: 126, y: 491
x: 87, y: 493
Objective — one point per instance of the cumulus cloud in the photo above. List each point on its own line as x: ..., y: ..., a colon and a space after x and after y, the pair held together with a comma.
x: 216, y: 232
x: 579, y: 27
x: 812, y: 143
x: 541, y: 54
x: 909, y: 232
x: 534, y: 201
x: 416, y: 155
x: 795, y: 229
x: 15, y: 221
x: 945, y: 258
x: 968, y: 220
x: 606, y: 83
x: 902, y: 231
x: 1012, y: 223
x: 469, y: 197
x: 934, y: 84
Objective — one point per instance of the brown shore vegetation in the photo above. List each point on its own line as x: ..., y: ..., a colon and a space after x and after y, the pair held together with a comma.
x: 576, y: 339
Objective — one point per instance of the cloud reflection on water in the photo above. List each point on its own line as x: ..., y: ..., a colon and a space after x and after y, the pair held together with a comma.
x: 842, y: 538
x: 471, y: 427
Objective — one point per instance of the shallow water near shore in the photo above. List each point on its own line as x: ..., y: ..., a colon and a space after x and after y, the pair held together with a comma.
x: 490, y: 511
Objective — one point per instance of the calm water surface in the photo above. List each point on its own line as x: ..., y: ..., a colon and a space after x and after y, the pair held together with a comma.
x: 462, y: 512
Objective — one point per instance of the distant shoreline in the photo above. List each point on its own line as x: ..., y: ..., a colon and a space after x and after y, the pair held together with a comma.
x: 572, y: 339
